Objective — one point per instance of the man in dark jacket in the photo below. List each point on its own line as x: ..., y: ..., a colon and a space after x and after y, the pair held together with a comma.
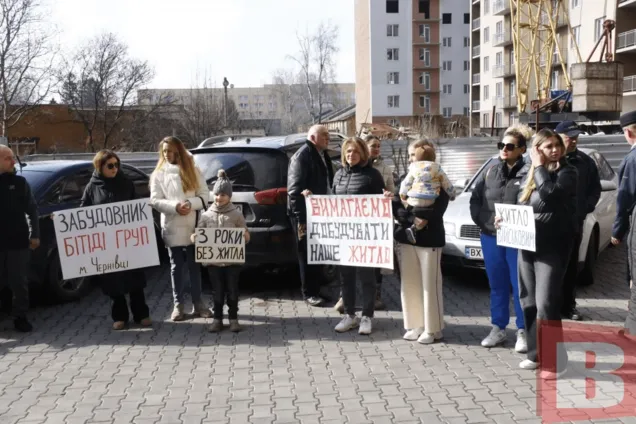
x: 310, y: 170
x: 18, y: 236
x: 587, y: 196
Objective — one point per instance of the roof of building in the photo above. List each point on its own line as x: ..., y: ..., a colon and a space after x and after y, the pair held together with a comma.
x: 340, y: 114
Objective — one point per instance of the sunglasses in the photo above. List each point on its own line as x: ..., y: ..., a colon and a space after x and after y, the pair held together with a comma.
x: 507, y: 146
x: 112, y: 166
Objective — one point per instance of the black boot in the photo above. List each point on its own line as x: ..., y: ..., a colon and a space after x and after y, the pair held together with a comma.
x: 22, y: 325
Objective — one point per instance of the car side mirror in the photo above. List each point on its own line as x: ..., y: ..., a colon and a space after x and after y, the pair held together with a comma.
x: 608, y: 185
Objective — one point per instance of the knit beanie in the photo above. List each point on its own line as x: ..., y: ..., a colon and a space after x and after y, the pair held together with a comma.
x: 223, y: 184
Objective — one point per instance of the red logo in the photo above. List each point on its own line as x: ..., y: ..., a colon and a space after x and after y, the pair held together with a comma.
x: 595, y: 380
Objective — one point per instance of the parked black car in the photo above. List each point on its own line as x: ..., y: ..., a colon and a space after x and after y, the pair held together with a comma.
x: 59, y: 185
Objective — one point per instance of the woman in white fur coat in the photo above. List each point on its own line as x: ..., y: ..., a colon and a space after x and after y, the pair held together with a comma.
x: 178, y: 191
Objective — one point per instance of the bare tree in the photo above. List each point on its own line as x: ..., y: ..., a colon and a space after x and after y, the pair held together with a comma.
x: 288, y: 95
x: 27, y: 54
x: 316, y: 58
x: 99, y: 83
x: 203, y: 114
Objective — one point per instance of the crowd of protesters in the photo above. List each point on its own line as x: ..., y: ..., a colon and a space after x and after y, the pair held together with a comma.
x: 544, y: 171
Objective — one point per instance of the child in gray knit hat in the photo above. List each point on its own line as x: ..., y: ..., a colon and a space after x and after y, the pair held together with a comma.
x: 224, y: 277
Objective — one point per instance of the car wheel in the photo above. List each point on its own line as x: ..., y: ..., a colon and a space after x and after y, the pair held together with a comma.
x: 63, y: 290
x: 587, y: 273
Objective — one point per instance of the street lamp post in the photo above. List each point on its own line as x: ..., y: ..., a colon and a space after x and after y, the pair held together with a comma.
x: 225, y: 85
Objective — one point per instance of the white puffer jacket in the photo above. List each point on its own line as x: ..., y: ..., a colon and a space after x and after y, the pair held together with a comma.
x: 166, y: 192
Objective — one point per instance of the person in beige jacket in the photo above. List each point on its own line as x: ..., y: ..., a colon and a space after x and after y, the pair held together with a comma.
x: 224, y: 277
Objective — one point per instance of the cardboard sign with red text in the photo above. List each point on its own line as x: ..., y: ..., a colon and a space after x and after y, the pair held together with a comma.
x: 106, y: 238
x: 353, y: 230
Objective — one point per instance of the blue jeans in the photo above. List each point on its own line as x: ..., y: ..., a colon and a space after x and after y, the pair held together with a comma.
x: 182, y: 257
x: 501, y: 267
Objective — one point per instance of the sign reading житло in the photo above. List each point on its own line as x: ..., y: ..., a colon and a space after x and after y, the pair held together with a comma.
x: 106, y: 238
x: 516, y: 228
x: 353, y: 230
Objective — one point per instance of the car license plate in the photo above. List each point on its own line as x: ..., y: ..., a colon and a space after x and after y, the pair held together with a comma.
x: 474, y: 253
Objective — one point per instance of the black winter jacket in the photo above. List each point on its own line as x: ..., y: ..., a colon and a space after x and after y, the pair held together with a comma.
x: 554, y: 203
x: 101, y: 191
x: 433, y: 235
x: 497, y: 185
x: 307, y: 171
x: 589, y: 186
x: 358, y: 180
x: 17, y: 203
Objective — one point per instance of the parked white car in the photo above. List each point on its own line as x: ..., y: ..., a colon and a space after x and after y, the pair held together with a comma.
x: 463, y: 247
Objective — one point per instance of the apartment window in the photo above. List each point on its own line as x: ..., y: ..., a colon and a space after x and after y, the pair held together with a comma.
x: 513, y: 88
x: 394, y: 122
x: 499, y: 89
x: 393, y: 78
x: 392, y: 30
x: 466, y: 111
x: 392, y: 54
x: 466, y: 18
x: 486, y: 118
x: 498, y: 59
x: 576, y: 3
x: 448, y: 89
x: 555, y: 80
x: 425, y: 80
x: 499, y: 28
x: 393, y: 101
x: 424, y: 7
x: 448, y: 65
x: 446, y: 41
x: 425, y: 103
x: 447, y: 112
x: 392, y: 6
x: 498, y: 120
x: 466, y: 42
x: 466, y: 65
x: 598, y: 28
x: 486, y: 7
x: 425, y: 56
x: 425, y: 32
x: 486, y: 92
x: 487, y: 64
x: 447, y: 18
x: 511, y: 118
x: 466, y: 88
x: 576, y: 37
x: 486, y: 34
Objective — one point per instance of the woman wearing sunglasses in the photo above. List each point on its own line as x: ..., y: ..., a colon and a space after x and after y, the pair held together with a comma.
x: 500, y: 184
x: 109, y: 185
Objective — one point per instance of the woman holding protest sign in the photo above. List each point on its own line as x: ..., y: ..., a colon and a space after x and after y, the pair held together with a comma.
x: 420, y: 265
x: 178, y: 190
x: 550, y: 189
x: 108, y: 185
x: 500, y: 184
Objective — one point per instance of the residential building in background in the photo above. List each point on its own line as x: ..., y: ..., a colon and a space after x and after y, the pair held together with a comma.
x: 492, y: 66
x: 412, y: 60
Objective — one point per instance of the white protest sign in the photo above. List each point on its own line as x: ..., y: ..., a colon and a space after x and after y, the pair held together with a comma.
x: 220, y: 245
x: 516, y: 228
x: 106, y: 238
x: 354, y: 230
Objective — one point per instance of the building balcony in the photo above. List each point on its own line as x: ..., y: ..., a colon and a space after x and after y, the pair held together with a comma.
x: 475, y: 105
x: 502, y: 39
x: 626, y: 41
x: 476, y: 79
x: 559, y: 22
x: 425, y: 41
x: 476, y: 51
x: 503, y: 70
x: 500, y: 7
x: 629, y: 84
x: 422, y: 89
x: 498, y: 102
x: 555, y: 60
x: 510, y: 102
x: 476, y: 24
x: 418, y: 64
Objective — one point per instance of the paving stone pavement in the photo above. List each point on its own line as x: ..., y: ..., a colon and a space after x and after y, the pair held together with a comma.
x: 287, y: 366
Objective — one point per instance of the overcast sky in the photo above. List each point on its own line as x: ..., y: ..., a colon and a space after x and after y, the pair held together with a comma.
x: 244, y: 40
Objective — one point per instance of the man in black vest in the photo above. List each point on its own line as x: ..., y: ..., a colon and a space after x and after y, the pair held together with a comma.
x: 18, y: 235
x: 310, y: 172
x: 587, y: 196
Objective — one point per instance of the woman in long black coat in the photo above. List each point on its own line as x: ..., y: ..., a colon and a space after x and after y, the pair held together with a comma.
x: 109, y: 185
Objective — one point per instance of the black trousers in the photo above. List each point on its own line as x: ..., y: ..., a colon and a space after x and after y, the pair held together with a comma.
x: 311, y: 276
x: 138, y: 306
x: 540, y: 293
x: 368, y: 282
x: 570, y: 280
x: 225, y: 282
x: 14, y: 265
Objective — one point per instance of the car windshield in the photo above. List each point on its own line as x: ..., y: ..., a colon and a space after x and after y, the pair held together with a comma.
x: 36, y: 179
x: 483, y: 169
x: 248, y: 170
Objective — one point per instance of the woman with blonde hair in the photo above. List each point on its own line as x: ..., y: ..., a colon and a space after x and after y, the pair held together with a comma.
x: 178, y: 190
x: 550, y: 189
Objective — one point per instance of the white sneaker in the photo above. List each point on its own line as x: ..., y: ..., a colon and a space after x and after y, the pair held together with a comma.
x: 522, y: 343
x: 347, y: 323
x: 428, y: 338
x: 527, y: 364
x: 365, y: 326
x: 496, y: 337
x: 413, y: 334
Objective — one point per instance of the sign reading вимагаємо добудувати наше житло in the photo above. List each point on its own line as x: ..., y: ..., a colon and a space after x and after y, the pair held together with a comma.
x: 353, y: 230
x: 106, y: 238
x: 516, y: 228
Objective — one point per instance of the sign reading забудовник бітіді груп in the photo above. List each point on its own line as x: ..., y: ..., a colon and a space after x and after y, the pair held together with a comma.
x: 516, y: 228
x: 106, y: 238
x: 352, y: 230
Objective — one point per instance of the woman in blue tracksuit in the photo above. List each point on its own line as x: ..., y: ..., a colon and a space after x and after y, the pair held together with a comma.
x: 500, y: 184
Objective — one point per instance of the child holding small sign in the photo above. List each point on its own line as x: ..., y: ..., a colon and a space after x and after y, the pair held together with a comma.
x: 224, y: 277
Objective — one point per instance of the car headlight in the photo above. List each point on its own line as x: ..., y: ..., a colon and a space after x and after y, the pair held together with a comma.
x: 449, y: 228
